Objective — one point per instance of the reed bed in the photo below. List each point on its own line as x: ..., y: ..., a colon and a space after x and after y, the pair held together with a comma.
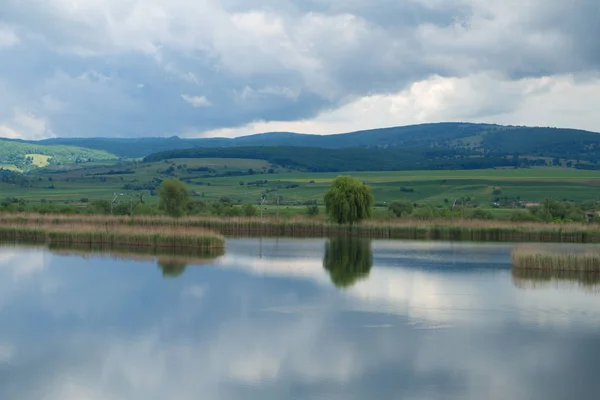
x: 85, y: 232
x: 465, y: 230
x: 556, y: 260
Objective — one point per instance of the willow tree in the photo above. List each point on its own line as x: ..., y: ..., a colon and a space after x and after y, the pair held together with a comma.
x: 348, y: 200
x: 173, y: 197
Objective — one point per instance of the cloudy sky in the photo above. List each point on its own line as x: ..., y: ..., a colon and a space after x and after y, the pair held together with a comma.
x: 232, y: 67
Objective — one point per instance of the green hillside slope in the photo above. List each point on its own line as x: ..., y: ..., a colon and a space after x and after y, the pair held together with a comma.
x: 21, y: 156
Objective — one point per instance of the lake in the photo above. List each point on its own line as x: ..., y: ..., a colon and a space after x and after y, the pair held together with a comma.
x: 294, y: 319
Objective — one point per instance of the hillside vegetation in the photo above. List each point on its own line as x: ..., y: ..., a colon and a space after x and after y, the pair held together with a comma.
x: 479, y: 139
x: 22, y: 156
x: 350, y: 159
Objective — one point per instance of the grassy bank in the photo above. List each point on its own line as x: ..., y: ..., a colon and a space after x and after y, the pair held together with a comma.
x: 556, y: 260
x: 83, y: 232
x: 184, y: 231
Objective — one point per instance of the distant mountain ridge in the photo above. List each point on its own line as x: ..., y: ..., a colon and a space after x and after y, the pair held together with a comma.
x: 476, y: 138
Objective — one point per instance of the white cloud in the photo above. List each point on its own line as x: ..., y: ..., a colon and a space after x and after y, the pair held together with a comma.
x: 561, y: 101
x: 8, y: 37
x: 195, y: 291
x: 25, y: 125
x: 196, y: 101
x: 298, y: 65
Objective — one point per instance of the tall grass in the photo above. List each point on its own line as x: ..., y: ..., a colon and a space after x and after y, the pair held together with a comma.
x: 557, y: 260
x: 467, y: 230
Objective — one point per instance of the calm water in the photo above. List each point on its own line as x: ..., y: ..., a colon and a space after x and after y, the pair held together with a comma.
x: 294, y: 319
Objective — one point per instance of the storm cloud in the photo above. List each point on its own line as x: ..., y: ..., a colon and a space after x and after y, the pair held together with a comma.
x: 232, y: 67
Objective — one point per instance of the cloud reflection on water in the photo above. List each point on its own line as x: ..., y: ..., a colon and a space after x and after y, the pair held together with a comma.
x: 276, y: 328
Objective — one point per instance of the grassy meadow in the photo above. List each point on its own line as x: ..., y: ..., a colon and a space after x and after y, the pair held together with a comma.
x: 243, y: 181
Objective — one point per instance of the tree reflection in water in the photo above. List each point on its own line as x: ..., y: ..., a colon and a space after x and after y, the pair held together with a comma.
x: 347, y: 260
x: 171, y: 268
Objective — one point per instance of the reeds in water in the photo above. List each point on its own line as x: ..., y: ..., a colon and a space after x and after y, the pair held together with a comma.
x: 465, y: 230
x: 75, y: 232
x: 558, y: 260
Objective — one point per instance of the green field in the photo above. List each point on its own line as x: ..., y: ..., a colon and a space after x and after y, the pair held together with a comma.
x: 205, y: 179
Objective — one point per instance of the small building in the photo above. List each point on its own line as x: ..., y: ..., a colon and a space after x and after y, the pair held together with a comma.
x: 531, y: 203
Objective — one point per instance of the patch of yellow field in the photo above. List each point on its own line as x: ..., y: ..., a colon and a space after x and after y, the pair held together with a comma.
x: 39, y: 160
x: 10, y: 167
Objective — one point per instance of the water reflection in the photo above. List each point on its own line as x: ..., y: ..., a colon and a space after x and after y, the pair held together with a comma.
x: 171, y: 268
x: 348, y: 260
x: 427, y: 323
x: 171, y: 262
x: 524, y: 278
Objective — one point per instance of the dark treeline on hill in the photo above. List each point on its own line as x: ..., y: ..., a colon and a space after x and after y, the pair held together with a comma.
x: 351, y: 159
x: 482, y: 139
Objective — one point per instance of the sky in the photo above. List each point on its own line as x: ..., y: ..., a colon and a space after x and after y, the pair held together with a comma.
x: 201, y: 68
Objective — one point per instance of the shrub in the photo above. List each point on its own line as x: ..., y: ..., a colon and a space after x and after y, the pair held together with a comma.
x: 312, y: 209
x: 401, y: 208
x: 522, y: 216
x: 482, y: 214
x: 99, y: 206
x: 426, y: 212
x: 249, y: 210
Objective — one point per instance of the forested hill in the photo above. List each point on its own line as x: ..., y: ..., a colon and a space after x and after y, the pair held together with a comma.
x: 316, y: 159
x: 481, y: 139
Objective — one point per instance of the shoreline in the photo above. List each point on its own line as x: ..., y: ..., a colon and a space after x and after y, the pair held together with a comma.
x: 179, y: 231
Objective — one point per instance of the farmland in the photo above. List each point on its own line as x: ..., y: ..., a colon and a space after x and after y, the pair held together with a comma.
x: 245, y: 181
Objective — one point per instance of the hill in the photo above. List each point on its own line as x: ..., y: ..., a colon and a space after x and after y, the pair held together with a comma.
x: 25, y: 156
x: 316, y: 159
x: 477, y: 138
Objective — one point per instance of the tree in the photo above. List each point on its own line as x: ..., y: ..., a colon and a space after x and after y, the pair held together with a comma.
x: 249, y: 210
x: 401, y: 208
x: 312, y: 209
x: 173, y: 197
x: 348, y: 200
x: 482, y: 214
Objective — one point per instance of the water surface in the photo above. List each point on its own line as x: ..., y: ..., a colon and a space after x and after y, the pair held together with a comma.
x: 295, y: 319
